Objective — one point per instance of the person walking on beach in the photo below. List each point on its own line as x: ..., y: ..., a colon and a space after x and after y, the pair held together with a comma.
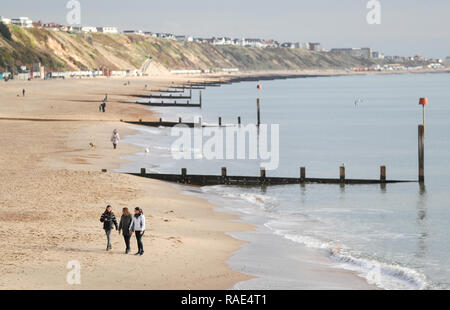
x: 103, y: 105
x: 23, y: 92
x: 115, y: 138
x: 108, y: 219
x: 138, y: 227
x: 124, y: 226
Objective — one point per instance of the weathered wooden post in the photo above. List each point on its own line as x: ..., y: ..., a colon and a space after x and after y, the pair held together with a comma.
x: 201, y: 100
x: 263, y: 173
x: 342, y: 174
x: 160, y: 120
x: 180, y: 120
x: 143, y: 171
x: 258, y: 105
x: 224, y: 172
x: 220, y: 122
x: 140, y: 120
x: 239, y: 121
x: 104, y: 170
x: 383, y: 174
x: 184, y: 172
x: 302, y: 174
x: 421, y: 154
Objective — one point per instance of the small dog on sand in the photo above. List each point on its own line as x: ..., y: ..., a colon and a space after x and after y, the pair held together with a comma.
x: 93, y: 145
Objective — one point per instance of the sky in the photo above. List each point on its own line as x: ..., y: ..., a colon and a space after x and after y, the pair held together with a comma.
x: 408, y: 27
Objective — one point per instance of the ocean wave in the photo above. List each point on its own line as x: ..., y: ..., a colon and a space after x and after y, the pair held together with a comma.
x: 390, y: 276
x: 262, y: 201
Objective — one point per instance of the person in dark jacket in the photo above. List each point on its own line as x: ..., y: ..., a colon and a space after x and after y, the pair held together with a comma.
x: 124, y: 226
x: 108, y: 219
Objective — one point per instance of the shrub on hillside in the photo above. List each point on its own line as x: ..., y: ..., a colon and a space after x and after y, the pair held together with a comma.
x: 4, y: 31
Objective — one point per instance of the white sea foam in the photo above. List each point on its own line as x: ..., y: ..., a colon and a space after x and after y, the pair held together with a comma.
x: 384, y: 275
x: 388, y: 276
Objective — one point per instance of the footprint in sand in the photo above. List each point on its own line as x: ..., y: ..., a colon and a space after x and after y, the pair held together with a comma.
x: 176, y: 242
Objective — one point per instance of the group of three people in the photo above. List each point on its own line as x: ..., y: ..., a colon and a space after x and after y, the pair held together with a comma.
x: 128, y: 225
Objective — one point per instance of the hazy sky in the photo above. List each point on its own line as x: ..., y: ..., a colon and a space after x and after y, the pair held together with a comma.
x: 407, y: 26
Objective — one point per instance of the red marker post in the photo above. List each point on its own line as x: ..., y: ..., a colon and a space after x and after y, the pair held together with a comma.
x: 423, y: 102
x: 258, y: 104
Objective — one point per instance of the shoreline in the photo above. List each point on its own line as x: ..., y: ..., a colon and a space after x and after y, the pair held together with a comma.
x: 325, y: 276
x: 63, y: 156
x: 59, y: 202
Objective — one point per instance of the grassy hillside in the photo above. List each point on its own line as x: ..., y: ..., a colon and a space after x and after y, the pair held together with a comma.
x: 81, y: 51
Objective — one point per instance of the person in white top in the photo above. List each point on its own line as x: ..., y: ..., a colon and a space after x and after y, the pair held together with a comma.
x: 115, y: 138
x: 138, y: 226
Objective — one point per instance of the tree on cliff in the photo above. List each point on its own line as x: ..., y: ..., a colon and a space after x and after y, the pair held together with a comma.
x: 4, y: 31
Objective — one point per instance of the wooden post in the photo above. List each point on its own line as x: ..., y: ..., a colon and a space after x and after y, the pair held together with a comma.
x: 258, y: 104
x: 184, y: 172
x: 263, y: 173
x: 239, y: 120
x: 421, y: 154
x: 342, y: 174
x: 302, y: 174
x: 180, y: 120
x: 140, y: 120
x: 383, y: 174
x: 220, y: 122
x: 160, y: 120
x: 104, y: 170
x: 201, y: 100
x: 143, y: 171
x: 224, y: 172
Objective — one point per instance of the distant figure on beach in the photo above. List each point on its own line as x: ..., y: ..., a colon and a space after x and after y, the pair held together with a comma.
x: 138, y: 226
x: 103, y: 105
x: 146, y: 86
x: 108, y: 219
x: 124, y: 226
x: 115, y: 138
x: 23, y: 92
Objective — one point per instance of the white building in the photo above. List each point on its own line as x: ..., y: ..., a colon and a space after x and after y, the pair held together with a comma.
x: 258, y: 43
x: 107, y: 29
x: 222, y: 41
x: 22, y: 22
x: 4, y: 20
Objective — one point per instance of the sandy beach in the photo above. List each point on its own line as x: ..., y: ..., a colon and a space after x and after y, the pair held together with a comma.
x: 52, y: 193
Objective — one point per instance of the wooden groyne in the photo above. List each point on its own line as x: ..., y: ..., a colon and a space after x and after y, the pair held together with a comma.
x: 262, y: 180
x: 161, y: 96
x: 161, y: 123
x: 171, y: 104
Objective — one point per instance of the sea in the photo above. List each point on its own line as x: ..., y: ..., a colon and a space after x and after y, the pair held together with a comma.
x: 396, y: 236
